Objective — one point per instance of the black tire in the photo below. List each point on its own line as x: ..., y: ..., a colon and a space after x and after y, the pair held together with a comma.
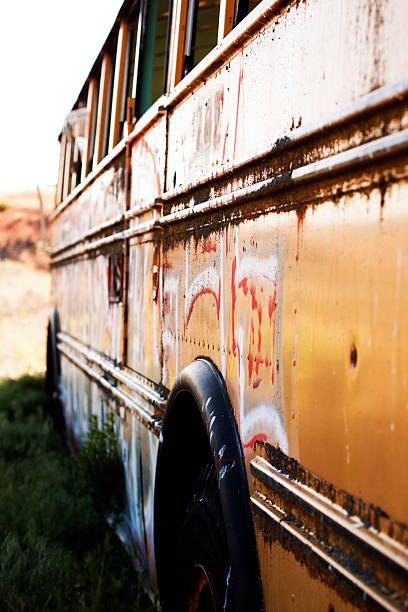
x: 202, y: 561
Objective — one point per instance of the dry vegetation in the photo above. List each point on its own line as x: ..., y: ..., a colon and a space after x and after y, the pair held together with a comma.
x: 24, y: 283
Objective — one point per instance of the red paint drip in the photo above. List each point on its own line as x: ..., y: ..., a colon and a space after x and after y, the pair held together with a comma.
x: 244, y: 285
x: 258, y: 361
x: 250, y: 365
x: 300, y: 217
x: 258, y: 437
x: 209, y: 246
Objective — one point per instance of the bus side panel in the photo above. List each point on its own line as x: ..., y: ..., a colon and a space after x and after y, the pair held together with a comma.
x: 144, y: 320
x: 85, y: 309
x: 103, y: 199
x: 82, y: 398
x: 224, y: 295
x: 147, y: 165
x: 313, y: 59
x: 304, y: 315
x: 139, y: 453
x: 144, y: 314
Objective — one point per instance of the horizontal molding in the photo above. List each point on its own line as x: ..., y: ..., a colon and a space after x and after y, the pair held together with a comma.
x: 107, y: 225
x: 132, y: 382
x: 362, y: 154
x: 110, y: 158
x: 275, y: 498
x: 265, y: 11
x: 371, y: 102
x: 142, y: 228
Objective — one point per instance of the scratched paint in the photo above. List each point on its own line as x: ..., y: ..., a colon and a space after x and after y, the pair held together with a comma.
x: 147, y: 163
x: 249, y: 310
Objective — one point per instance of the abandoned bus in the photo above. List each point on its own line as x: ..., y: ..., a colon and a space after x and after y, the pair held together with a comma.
x: 230, y: 280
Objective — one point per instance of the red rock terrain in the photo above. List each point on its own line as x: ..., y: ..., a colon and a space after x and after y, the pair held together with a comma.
x: 24, y: 282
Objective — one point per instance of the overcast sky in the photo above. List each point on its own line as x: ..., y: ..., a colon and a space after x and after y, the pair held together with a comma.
x: 47, y: 48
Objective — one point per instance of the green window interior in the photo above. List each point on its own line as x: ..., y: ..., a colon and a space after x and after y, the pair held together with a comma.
x: 151, y: 75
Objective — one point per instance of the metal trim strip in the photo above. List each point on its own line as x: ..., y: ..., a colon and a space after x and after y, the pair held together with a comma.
x: 368, y: 152
x: 316, y: 502
x: 351, y: 533
x: 259, y: 506
x: 151, y: 421
x: 364, y: 105
x: 381, y: 96
x: 151, y: 396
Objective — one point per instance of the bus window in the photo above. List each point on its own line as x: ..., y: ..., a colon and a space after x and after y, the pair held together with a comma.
x: 92, y: 105
x: 130, y: 63
x: 201, y: 31
x: 109, y: 97
x: 153, y: 54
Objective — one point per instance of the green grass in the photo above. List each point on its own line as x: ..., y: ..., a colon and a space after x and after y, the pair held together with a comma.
x: 56, y: 550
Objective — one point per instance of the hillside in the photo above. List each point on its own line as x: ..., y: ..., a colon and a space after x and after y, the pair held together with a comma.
x: 24, y: 282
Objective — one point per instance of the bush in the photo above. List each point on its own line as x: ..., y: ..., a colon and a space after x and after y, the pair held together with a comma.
x: 100, y: 467
x: 56, y: 549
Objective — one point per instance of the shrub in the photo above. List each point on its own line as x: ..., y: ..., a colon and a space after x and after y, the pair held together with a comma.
x: 56, y: 549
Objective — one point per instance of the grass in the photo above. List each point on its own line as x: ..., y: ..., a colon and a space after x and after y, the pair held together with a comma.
x: 56, y: 549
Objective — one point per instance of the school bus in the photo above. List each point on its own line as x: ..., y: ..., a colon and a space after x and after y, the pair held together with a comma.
x: 230, y: 280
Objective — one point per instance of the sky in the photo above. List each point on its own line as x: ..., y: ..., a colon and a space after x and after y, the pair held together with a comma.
x: 47, y: 48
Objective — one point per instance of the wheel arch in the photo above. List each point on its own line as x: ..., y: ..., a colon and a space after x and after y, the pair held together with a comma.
x: 199, y: 427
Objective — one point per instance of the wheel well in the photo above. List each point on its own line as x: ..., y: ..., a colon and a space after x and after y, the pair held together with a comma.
x: 199, y: 427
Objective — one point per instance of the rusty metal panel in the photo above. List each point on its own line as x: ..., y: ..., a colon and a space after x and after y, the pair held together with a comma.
x: 303, y: 311
x: 84, y: 307
x: 312, y: 59
x: 103, y: 199
x: 144, y: 312
x: 227, y: 304
x: 148, y: 156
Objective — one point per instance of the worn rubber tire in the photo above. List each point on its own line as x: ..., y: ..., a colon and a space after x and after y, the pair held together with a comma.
x: 202, y: 558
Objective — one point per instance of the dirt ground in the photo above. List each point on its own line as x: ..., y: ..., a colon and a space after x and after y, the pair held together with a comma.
x: 24, y: 282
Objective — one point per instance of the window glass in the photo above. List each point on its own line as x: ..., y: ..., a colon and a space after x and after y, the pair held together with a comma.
x: 201, y: 31
x: 109, y: 96
x: 160, y: 50
x: 129, y: 67
x: 93, y: 119
x: 152, y: 69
